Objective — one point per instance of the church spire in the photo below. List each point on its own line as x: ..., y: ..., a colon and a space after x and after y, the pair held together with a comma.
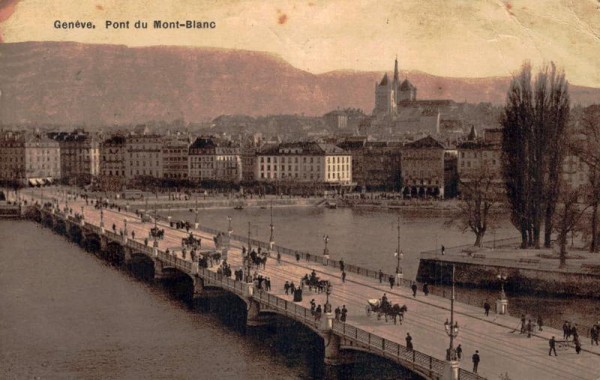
x: 396, y: 78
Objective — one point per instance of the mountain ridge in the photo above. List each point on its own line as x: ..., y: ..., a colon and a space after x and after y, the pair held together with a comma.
x: 71, y: 83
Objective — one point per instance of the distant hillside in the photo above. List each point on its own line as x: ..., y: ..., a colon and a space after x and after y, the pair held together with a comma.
x: 73, y: 83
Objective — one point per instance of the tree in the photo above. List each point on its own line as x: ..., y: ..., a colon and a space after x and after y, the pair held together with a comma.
x: 534, y: 120
x: 479, y: 201
x: 587, y: 148
x: 567, y: 217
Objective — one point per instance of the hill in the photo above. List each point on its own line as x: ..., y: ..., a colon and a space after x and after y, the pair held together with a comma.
x: 73, y: 83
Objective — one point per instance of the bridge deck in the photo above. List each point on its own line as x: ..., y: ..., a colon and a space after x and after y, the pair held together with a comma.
x: 501, y: 347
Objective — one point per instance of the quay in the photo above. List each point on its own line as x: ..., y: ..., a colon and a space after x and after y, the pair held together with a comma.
x: 502, y: 350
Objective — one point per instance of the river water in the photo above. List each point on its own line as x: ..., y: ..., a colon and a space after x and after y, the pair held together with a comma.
x: 65, y: 313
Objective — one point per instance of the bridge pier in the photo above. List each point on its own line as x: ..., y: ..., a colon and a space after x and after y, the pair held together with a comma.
x: 158, y: 270
x: 333, y: 355
x: 451, y: 371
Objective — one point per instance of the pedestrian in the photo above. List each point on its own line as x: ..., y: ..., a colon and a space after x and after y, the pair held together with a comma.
x: 426, y: 288
x: 552, y: 343
x: 574, y: 332
x: 342, y: 266
x: 297, y: 257
x: 114, y: 228
x: 476, y: 360
x: 486, y: 307
x: 523, y: 325
x: 133, y: 235
x: 409, y: 345
x: 380, y: 276
x: 443, y: 250
x: 540, y: 323
x: 343, y: 276
x: 459, y: 352
x: 313, y: 306
x: 286, y: 287
x: 268, y: 284
x: 577, y: 345
x: 529, y: 328
x: 344, y: 313
x: 414, y: 289
x: 566, y: 330
x: 278, y: 257
x: 337, y: 313
x: 392, y: 280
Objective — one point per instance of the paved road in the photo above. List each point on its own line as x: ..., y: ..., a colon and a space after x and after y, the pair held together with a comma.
x: 502, y: 349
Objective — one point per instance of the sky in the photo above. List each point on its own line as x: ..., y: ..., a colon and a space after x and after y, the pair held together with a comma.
x: 458, y: 38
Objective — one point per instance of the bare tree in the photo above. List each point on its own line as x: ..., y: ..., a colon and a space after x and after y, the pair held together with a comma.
x: 587, y: 149
x: 567, y: 217
x: 480, y: 196
x: 534, y: 121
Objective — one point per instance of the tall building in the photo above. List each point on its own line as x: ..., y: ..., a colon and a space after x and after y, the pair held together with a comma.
x: 175, y: 159
x: 29, y: 158
x: 304, y: 162
x: 143, y: 156
x: 79, y: 155
x: 112, y: 162
x: 211, y: 159
x: 425, y: 171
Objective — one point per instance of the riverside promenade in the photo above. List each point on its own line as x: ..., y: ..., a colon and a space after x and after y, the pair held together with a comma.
x: 502, y: 350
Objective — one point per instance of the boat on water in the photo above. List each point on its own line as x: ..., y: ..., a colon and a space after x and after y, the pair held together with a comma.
x: 238, y: 207
x: 331, y: 205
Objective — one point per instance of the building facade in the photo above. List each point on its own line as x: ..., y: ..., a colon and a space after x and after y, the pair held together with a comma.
x: 304, y: 162
x: 79, y: 155
x: 424, y: 168
x: 143, y: 156
x: 211, y: 159
x: 112, y: 162
x: 175, y: 159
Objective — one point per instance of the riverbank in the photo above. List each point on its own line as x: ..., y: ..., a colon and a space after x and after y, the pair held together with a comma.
x: 532, y: 271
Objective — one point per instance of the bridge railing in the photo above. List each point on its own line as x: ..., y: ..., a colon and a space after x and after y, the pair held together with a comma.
x: 139, y: 247
x: 421, y: 362
x: 178, y: 263
x: 230, y: 284
x: 290, y: 309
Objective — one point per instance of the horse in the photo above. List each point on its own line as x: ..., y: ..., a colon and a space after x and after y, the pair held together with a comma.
x: 386, y: 309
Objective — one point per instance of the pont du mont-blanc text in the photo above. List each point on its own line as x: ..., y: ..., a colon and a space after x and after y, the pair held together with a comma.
x: 139, y: 24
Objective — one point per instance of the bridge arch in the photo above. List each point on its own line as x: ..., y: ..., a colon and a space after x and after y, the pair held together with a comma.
x: 179, y: 284
x: 60, y: 226
x: 141, y: 266
x: 92, y: 242
x: 76, y: 234
x: 114, y: 253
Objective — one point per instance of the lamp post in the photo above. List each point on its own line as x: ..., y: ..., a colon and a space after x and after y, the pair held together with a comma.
x: 502, y: 301
x: 272, y: 236
x: 399, y: 255
x: 327, y: 293
x: 196, y: 218
x: 229, y: 229
x: 452, y: 328
x: 248, y: 255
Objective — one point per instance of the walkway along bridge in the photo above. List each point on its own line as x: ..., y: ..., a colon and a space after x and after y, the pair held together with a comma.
x: 501, y: 350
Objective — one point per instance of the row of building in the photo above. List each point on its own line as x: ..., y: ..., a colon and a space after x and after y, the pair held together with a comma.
x: 425, y: 167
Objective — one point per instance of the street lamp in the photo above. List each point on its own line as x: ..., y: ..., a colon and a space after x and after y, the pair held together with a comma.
x: 248, y: 255
x: 327, y: 293
x: 229, y: 229
x: 272, y: 237
x: 326, y: 250
x: 452, y: 327
x: 399, y: 255
x: 502, y: 278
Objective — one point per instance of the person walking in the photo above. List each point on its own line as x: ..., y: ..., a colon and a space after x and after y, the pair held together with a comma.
x: 443, y: 250
x: 459, y: 352
x: 380, y: 276
x: 343, y: 276
x: 344, y: 313
x: 286, y: 287
x: 566, y: 329
x: 540, y: 323
x: 278, y: 258
x: 476, y: 360
x: 487, y: 307
x: 337, y: 313
x: 342, y: 265
x: 577, y: 344
x: 414, y: 289
x: 529, y: 328
x: 409, y: 345
x: 552, y: 343
x: 426, y: 288
x: 392, y: 281
x: 523, y: 325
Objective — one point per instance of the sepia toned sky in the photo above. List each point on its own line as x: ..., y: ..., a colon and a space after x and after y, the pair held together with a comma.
x: 460, y: 38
